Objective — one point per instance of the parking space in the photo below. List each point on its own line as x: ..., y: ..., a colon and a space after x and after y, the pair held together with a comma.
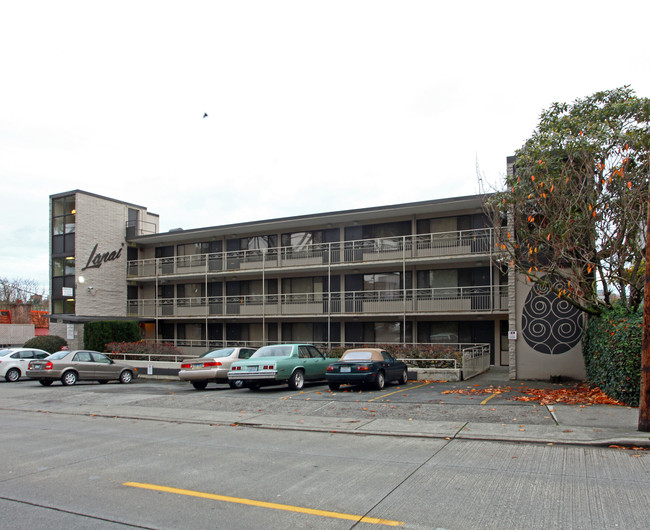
x: 486, y: 400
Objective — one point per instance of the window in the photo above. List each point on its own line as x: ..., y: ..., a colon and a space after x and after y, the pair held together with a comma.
x: 437, y: 278
x: 262, y: 243
x: 133, y: 222
x: 302, y: 285
x: 245, y: 353
x: 99, y: 358
x: 63, y: 266
x: 66, y: 307
x: 193, y: 249
x: 386, y: 230
x: 387, y: 331
x: 191, y: 290
x: 63, y: 225
x: 82, y: 357
x: 382, y: 282
x: 63, y: 215
x: 315, y: 352
x: 301, y: 240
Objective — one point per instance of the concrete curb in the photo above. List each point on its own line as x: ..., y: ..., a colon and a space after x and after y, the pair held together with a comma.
x: 437, y: 430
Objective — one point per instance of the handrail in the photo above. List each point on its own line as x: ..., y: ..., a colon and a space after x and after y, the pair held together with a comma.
x: 442, y: 244
x: 473, y: 299
x: 197, y: 347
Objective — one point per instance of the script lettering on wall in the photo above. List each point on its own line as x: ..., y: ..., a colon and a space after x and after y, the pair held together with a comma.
x: 97, y: 259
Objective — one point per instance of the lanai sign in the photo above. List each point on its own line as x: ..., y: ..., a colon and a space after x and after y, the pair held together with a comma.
x: 96, y: 260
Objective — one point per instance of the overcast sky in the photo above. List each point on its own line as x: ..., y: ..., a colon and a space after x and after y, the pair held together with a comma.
x: 312, y: 106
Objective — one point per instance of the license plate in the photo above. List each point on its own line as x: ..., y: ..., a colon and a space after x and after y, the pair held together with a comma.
x: 198, y: 365
x: 252, y: 368
x: 345, y: 369
x: 36, y: 366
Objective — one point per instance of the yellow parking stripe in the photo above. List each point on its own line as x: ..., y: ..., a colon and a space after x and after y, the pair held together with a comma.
x: 302, y: 392
x: 262, y: 504
x: 397, y: 392
x: 489, y: 398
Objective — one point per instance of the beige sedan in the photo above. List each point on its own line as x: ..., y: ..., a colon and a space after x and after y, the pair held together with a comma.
x: 80, y: 365
x: 213, y: 367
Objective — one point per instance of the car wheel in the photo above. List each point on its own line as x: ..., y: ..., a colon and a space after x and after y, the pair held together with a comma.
x: 253, y: 386
x: 12, y: 375
x: 126, y: 376
x: 297, y: 380
x: 45, y: 382
x: 237, y: 383
x: 405, y: 377
x: 200, y: 385
x: 380, y: 381
x: 102, y: 381
x: 69, y: 378
x: 334, y: 386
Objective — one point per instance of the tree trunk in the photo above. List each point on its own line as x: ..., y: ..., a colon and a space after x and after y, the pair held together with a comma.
x: 644, y: 399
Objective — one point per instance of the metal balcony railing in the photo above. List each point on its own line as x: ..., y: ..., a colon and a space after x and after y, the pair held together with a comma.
x: 476, y: 299
x: 472, y: 358
x: 139, y: 228
x: 443, y: 245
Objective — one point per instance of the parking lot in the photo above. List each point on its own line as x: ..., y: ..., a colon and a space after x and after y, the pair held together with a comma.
x: 489, y: 397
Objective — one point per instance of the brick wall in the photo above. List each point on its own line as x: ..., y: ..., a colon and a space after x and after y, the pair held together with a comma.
x: 101, y: 256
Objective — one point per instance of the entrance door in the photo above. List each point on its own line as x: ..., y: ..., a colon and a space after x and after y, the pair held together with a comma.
x: 483, y: 332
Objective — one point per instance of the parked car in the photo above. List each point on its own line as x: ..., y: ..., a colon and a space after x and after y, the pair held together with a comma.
x: 15, y: 361
x: 366, y: 366
x: 292, y: 364
x: 213, y: 367
x: 80, y: 365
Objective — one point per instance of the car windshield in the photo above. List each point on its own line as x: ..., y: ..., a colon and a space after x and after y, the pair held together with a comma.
x: 6, y: 352
x: 273, y: 351
x: 58, y: 355
x: 357, y: 356
x: 225, y: 352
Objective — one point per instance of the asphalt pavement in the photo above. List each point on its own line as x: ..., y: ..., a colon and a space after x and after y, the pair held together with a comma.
x: 580, y: 424
x: 481, y: 408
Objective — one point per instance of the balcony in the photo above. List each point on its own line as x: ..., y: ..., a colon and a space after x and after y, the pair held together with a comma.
x: 481, y: 299
x: 446, y: 245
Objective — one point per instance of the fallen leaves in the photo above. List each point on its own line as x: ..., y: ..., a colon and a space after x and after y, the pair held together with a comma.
x: 470, y: 391
x: 579, y: 395
x: 630, y: 448
x: 582, y: 395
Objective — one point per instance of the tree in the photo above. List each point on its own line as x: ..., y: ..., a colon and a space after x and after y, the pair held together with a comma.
x: 576, y: 201
x: 22, y: 290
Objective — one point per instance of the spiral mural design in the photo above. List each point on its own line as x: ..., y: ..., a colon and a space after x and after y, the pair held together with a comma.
x: 549, y: 324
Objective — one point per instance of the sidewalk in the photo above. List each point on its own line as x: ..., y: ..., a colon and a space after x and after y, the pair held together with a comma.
x: 481, y: 416
x: 596, y: 425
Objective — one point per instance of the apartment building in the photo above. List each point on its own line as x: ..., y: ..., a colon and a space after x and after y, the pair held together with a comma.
x: 409, y: 274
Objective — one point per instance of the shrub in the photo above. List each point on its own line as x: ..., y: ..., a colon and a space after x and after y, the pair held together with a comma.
x: 145, y: 351
x: 426, y: 353
x: 49, y: 343
x: 98, y: 334
x: 612, y: 352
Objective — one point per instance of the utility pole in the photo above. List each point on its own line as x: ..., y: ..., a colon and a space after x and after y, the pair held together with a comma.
x: 644, y: 399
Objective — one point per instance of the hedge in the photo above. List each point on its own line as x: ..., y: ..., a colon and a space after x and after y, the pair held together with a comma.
x: 145, y: 351
x: 98, y: 334
x: 612, y: 352
x: 49, y: 343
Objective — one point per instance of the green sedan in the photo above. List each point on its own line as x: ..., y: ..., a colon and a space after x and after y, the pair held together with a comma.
x: 292, y: 364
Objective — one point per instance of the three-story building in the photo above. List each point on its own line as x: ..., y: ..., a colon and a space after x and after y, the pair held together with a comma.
x: 411, y: 274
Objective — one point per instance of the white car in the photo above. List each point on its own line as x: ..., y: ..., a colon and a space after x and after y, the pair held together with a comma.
x: 14, y: 361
